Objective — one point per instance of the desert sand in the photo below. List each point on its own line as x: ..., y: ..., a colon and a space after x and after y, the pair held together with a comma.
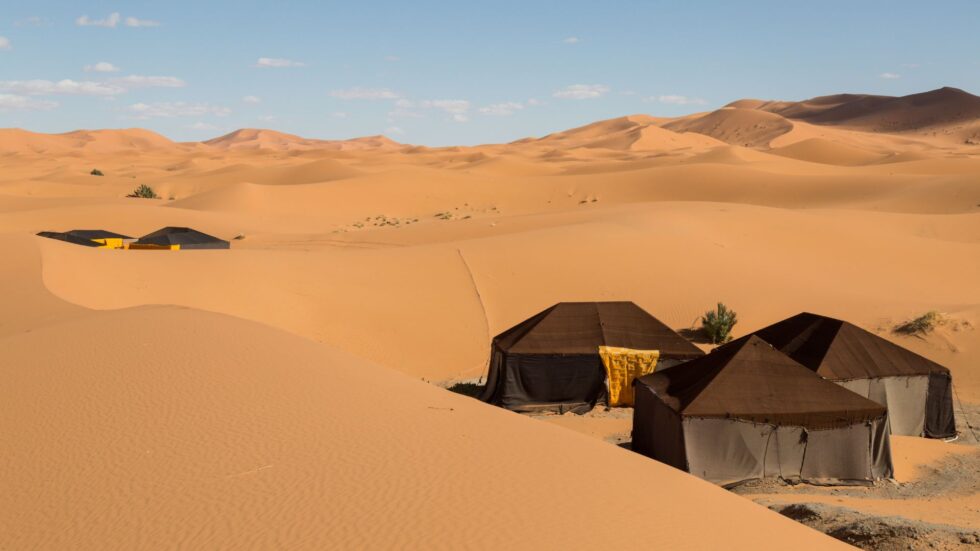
x: 285, y: 393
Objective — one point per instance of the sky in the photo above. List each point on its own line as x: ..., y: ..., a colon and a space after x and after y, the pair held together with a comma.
x: 456, y: 73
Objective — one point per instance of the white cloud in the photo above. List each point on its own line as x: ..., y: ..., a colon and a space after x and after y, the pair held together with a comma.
x: 502, y: 109
x: 102, y: 67
x: 404, y: 108
x: 676, y: 100
x: 12, y: 102
x: 175, y: 109
x: 5, y: 43
x: 140, y: 81
x: 392, y: 58
x: 535, y: 102
x: 572, y: 40
x: 134, y: 22
x: 277, y: 63
x: 202, y: 126
x: 890, y: 76
x: 394, y: 130
x: 65, y: 87
x: 364, y: 93
x: 339, y: 115
x: 911, y: 65
x: 252, y: 99
x: 457, y: 108
x: 267, y: 118
x: 32, y: 21
x: 109, y: 22
x: 582, y: 91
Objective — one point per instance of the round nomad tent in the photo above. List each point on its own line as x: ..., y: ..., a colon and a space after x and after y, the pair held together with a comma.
x: 551, y: 361
x: 177, y: 238
x: 917, y: 391
x: 747, y: 411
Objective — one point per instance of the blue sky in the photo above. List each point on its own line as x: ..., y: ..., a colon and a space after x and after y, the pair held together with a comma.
x: 441, y: 73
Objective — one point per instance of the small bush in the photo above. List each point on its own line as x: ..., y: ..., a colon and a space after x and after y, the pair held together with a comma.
x: 717, y: 324
x: 96, y: 172
x: 144, y: 192
x: 922, y: 325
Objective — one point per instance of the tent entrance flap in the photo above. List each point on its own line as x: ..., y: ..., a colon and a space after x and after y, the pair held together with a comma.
x: 623, y: 365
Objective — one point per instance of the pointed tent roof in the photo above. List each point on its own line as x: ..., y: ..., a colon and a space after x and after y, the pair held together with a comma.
x: 174, y: 235
x: 839, y: 350
x: 82, y: 237
x: 751, y: 380
x: 97, y: 234
x: 581, y: 327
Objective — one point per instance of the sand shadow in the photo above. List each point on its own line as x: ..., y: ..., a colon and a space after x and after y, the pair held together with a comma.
x: 472, y: 390
x: 697, y: 336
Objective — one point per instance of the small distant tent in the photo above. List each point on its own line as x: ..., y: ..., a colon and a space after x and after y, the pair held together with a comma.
x: 90, y: 238
x: 551, y: 362
x: 179, y: 238
x: 747, y: 411
x: 917, y: 391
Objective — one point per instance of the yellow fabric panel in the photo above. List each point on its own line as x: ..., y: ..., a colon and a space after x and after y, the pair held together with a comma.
x: 622, y: 366
x: 110, y: 242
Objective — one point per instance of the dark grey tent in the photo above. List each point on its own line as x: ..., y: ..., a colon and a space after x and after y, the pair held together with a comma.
x: 551, y: 361
x: 747, y: 411
x: 87, y: 238
x: 181, y: 238
x: 917, y: 391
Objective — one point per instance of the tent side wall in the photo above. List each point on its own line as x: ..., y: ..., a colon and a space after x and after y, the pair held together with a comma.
x: 546, y: 382
x: 940, y: 421
x: 657, y: 431
x: 905, y: 398
x: 153, y: 247
x: 206, y: 245
x: 731, y: 451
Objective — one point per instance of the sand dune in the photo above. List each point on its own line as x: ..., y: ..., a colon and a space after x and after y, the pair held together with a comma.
x: 948, y: 113
x: 18, y: 141
x: 736, y: 126
x: 198, y: 430
x: 818, y: 150
x: 364, y: 252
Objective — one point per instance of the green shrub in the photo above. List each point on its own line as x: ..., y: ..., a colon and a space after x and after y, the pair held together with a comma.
x: 922, y: 325
x: 96, y: 172
x: 144, y: 192
x: 717, y: 324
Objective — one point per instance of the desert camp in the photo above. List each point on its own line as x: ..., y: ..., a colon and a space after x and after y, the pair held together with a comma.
x: 747, y: 411
x: 521, y: 276
x: 552, y: 360
x: 917, y: 391
x: 169, y: 238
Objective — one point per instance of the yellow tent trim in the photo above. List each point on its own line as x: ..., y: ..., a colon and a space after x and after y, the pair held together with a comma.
x: 110, y: 242
x: 622, y: 366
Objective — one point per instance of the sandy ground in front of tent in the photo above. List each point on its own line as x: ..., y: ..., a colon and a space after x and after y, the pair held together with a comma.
x: 248, y: 395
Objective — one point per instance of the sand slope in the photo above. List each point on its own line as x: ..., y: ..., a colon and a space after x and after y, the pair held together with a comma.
x: 161, y: 426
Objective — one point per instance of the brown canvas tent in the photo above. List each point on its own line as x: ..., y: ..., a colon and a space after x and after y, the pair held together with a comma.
x: 90, y: 238
x: 551, y: 361
x: 747, y: 411
x: 179, y: 238
x: 917, y: 391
